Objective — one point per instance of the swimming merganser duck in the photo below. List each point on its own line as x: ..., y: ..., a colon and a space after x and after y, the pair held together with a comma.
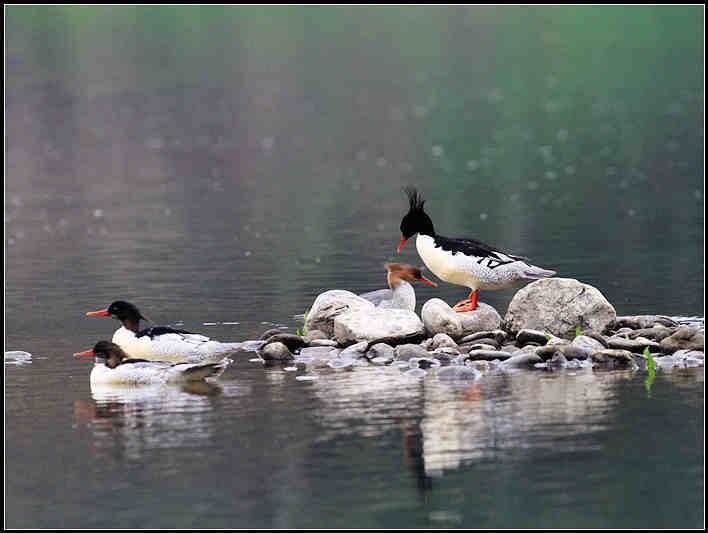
x: 401, y: 294
x: 162, y: 342
x: 466, y: 262
x: 112, y: 365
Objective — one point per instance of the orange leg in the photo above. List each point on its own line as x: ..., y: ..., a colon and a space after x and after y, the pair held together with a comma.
x: 468, y: 304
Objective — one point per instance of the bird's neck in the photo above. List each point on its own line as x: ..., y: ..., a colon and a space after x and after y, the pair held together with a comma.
x: 133, y: 324
x: 403, y: 296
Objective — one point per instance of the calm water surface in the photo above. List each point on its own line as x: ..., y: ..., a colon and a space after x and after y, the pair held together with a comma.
x: 221, y: 167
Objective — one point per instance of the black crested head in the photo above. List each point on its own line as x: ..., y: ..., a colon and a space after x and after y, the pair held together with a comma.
x: 416, y: 220
x: 112, y: 353
x: 127, y: 313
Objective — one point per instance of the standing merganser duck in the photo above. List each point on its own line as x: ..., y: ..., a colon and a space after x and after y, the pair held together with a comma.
x: 162, y: 342
x: 466, y: 262
x: 401, y: 294
x: 112, y: 366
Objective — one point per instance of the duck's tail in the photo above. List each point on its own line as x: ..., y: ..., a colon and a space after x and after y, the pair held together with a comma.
x: 199, y: 372
x: 534, y: 272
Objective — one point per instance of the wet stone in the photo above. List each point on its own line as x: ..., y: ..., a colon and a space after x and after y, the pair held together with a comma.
x: 441, y: 340
x: 531, y: 336
x: 319, y: 352
x: 380, y: 350
x: 293, y: 342
x: 276, y: 351
x: 499, y: 336
x: 525, y: 358
x: 323, y: 342
x: 613, y: 357
x: 355, y: 351
x: 633, y: 345
x: 657, y: 334
x: 684, y: 338
x: 644, y: 321
x: 315, y: 335
x: 487, y: 355
x: 403, y: 352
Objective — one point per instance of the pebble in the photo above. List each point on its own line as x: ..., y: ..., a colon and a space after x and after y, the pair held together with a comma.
x: 323, y: 342
x: 276, y: 351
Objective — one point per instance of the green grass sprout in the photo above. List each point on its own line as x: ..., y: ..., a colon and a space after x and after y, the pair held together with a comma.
x: 304, y: 330
x: 650, y: 367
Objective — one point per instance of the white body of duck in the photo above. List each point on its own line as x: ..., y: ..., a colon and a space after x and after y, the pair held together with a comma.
x: 113, y: 367
x: 191, y: 347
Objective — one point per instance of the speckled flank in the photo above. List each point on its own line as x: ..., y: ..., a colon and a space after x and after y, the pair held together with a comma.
x: 471, y: 271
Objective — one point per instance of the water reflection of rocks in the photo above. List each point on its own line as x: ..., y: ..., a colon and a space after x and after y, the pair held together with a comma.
x: 446, y: 424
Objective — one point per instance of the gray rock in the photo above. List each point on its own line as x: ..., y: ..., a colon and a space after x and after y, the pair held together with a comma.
x: 319, y: 352
x: 498, y: 335
x: 329, y: 305
x: 427, y: 344
x: 404, y: 352
x: 644, y: 321
x: 559, y: 306
x: 439, y: 317
x: 481, y: 346
x: 380, y: 349
x: 315, y: 335
x: 633, y: 345
x: 592, y: 335
x: 528, y: 336
x: 613, y: 357
x: 441, y: 340
x: 276, y: 351
x: 293, y: 342
x: 587, y: 345
x: 695, y: 354
x: 448, y: 351
x: 376, y: 324
x: 546, y: 353
x: 487, y: 341
x: 658, y: 333
x: 487, y: 355
x: 525, y: 358
x: 355, y: 351
x: 684, y: 339
x: 323, y: 342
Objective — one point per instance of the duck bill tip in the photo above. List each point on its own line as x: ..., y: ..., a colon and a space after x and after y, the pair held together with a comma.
x: 87, y: 353
x: 426, y: 280
x: 400, y: 246
x: 102, y: 312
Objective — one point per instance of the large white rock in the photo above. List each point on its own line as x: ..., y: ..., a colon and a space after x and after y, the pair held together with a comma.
x: 559, y: 306
x: 331, y: 304
x: 439, y: 317
x: 389, y: 325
